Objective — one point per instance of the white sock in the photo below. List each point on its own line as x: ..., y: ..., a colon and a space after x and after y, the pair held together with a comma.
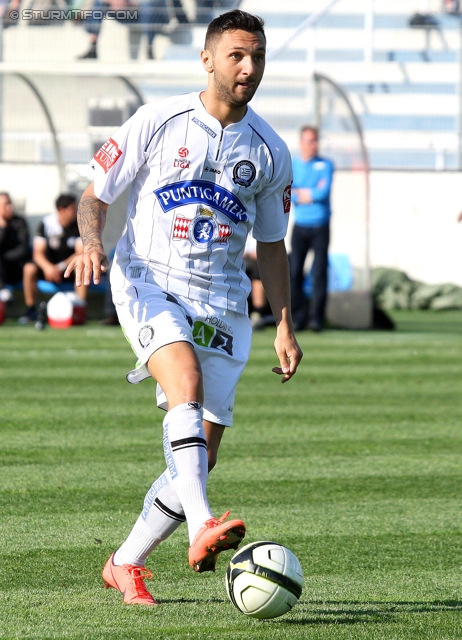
x: 185, y: 451
x: 162, y: 514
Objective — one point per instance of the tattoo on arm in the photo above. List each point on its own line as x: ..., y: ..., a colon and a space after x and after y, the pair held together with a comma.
x: 91, y: 218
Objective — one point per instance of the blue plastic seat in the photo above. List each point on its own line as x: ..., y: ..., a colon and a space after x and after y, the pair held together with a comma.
x: 339, y: 275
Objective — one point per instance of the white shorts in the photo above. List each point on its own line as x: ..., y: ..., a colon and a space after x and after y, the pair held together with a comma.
x: 152, y: 318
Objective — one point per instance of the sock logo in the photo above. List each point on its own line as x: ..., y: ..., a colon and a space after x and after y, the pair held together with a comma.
x: 152, y: 493
x: 168, y: 454
x: 194, y: 405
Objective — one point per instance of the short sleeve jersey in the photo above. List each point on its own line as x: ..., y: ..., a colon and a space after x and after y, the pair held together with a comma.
x: 196, y: 191
x: 60, y: 241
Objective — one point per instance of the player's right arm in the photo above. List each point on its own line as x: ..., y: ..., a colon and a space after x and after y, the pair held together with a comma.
x: 91, y: 218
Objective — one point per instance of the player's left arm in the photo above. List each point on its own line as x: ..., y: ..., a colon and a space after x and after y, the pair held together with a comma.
x: 273, y: 266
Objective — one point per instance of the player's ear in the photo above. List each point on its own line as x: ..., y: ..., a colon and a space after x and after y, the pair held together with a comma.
x: 207, y: 61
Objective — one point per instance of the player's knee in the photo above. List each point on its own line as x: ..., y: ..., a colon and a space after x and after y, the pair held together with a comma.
x: 30, y: 268
x: 190, y: 381
x: 30, y: 271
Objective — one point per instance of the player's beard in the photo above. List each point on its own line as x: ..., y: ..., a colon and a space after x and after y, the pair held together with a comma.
x: 225, y: 93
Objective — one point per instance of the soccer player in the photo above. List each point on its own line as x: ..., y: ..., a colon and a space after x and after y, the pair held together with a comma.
x: 204, y: 169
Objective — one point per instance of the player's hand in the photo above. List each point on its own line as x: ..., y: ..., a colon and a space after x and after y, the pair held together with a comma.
x: 85, y: 265
x: 289, y: 354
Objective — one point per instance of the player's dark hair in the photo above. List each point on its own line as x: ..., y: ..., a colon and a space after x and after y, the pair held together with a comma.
x: 233, y: 21
x: 309, y: 127
x: 65, y: 200
x: 5, y: 193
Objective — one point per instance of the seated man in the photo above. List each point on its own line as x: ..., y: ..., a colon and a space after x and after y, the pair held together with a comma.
x: 14, y: 246
x: 55, y: 244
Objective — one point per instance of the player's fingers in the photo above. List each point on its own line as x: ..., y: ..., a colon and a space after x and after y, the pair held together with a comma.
x: 289, y: 360
x: 69, y: 269
x: 100, y: 263
x: 283, y: 371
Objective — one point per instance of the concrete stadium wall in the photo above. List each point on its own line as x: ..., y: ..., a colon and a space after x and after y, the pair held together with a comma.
x: 413, y: 222
x: 413, y: 216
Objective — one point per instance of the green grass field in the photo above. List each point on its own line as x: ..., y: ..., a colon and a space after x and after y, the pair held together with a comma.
x: 355, y: 465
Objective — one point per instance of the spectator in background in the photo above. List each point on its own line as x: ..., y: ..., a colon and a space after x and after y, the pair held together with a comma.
x: 55, y: 244
x: 451, y: 6
x: 311, y: 199
x: 152, y: 16
x: 206, y: 9
x: 9, y: 12
x: 14, y: 246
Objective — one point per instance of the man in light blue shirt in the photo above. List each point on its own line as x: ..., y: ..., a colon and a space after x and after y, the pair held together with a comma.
x: 311, y: 199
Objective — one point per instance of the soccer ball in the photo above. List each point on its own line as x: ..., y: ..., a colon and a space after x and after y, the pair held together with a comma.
x: 264, y: 580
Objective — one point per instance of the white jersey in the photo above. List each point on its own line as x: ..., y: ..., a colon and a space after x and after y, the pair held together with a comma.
x: 196, y: 191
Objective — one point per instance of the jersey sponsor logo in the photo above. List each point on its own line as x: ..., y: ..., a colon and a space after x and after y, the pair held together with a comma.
x: 244, y: 173
x: 203, y: 126
x: 286, y: 198
x: 319, y: 165
x: 214, y: 168
x: 108, y: 155
x: 209, y: 337
x: 146, y: 335
x: 202, y: 230
x: 180, y: 194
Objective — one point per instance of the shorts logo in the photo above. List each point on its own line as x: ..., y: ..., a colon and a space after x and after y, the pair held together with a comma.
x: 203, y: 126
x: 244, y: 173
x: 146, y: 335
x: 286, y: 198
x: 108, y: 155
x: 186, y: 192
x: 209, y: 337
x: 201, y: 231
x: 135, y: 272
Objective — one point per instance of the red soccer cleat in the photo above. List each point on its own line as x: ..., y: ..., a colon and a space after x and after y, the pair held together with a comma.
x: 212, y: 538
x: 129, y: 580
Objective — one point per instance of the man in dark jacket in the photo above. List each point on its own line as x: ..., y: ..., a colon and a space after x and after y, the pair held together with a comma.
x: 14, y: 246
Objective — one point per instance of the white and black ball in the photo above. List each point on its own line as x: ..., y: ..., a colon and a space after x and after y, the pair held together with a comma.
x: 264, y: 580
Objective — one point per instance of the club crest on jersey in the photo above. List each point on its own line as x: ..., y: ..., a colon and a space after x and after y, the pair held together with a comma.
x: 108, y: 155
x: 201, y: 231
x: 244, y: 173
x: 201, y: 192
